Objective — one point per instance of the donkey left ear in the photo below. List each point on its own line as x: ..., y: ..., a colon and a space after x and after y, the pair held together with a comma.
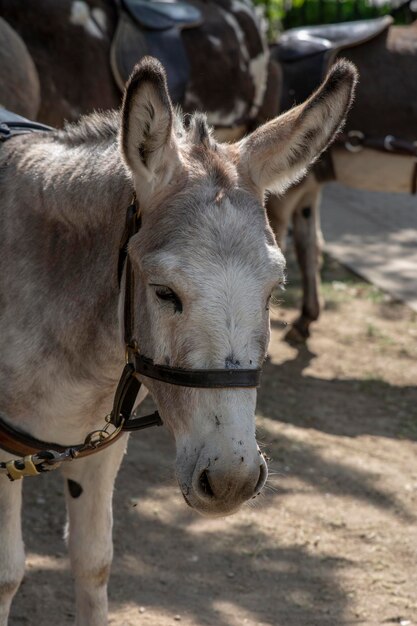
x: 147, y: 138
x: 278, y: 153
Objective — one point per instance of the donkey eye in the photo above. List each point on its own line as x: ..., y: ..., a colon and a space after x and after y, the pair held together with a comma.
x: 168, y: 295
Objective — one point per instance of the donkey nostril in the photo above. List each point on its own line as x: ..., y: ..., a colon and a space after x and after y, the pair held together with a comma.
x: 263, y: 474
x: 204, y: 484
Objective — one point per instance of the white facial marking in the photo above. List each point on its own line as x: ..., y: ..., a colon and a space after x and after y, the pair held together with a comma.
x: 81, y: 16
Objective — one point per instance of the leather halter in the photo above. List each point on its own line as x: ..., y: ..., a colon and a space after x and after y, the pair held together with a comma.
x: 138, y: 364
x: 39, y: 456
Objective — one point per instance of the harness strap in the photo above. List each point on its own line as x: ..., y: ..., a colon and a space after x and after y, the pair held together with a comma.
x: 133, y: 223
x: 21, y: 444
x: 44, y: 456
x: 124, y: 401
x: 356, y: 140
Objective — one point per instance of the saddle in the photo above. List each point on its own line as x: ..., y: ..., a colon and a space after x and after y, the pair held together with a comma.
x: 154, y: 27
x: 306, y: 53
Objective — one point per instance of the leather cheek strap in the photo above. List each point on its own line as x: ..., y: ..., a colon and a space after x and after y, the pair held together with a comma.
x: 124, y: 401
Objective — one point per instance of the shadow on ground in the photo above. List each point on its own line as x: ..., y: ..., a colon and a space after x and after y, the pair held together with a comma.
x: 165, y: 562
x: 346, y: 407
x: 170, y: 565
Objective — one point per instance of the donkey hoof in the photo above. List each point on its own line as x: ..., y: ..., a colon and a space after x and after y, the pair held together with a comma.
x: 296, y: 335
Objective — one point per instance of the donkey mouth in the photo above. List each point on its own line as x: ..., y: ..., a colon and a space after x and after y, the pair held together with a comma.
x: 205, y: 502
x: 216, y: 489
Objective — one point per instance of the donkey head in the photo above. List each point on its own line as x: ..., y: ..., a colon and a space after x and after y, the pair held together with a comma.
x: 205, y: 263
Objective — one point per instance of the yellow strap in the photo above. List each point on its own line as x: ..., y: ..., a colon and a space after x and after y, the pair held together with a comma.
x: 28, y: 470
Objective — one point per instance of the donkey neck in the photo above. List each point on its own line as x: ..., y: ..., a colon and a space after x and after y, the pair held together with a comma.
x: 61, y: 297
x: 75, y: 195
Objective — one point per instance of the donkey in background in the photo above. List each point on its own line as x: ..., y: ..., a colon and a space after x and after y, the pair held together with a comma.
x: 19, y: 81
x: 70, y: 43
x: 384, y: 108
x: 205, y: 263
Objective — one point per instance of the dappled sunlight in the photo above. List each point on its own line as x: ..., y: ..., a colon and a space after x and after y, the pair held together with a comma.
x: 331, y: 387
x: 321, y: 466
x: 220, y: 571
x: 171, y: 562
x: 154, y: 504
x: 232, y: 615
x: 363, y: 233
x: 42, y: 562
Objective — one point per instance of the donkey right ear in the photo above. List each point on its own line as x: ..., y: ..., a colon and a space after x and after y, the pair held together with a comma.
x: 147, y: 138
x: 278, y: 153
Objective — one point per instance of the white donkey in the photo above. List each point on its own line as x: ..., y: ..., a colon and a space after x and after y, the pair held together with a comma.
x: 204, y: 264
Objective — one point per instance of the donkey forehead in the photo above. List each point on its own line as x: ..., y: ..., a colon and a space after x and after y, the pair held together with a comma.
x: 208, y: 235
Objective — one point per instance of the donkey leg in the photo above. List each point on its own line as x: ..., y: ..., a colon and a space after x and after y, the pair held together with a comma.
x: 12, y: 555
x: 307, y: 241
x: 89, y: 492
x: 301, y: 203
x: 279, y: 210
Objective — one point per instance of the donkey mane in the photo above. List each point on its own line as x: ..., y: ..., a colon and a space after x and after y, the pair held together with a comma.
x: 97, y: 127
x: 101, y: 129
x: 104, y: 127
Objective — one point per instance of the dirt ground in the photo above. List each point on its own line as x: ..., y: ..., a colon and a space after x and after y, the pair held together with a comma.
x: 333, y: 541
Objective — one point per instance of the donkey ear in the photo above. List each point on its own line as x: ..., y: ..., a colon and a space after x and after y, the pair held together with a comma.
x: 278, y: 153
x: 147, y: 118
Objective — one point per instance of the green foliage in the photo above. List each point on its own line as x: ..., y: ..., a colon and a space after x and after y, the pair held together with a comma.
x: 284, y: 14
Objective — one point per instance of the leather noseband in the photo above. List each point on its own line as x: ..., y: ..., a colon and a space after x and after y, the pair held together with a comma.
x: 203, y: 378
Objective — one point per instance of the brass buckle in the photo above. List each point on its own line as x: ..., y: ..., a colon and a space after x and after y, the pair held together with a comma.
x: 130, y: 350
x: 97, y: 437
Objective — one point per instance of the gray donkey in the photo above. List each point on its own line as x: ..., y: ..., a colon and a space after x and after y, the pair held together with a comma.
x: 204, y: 263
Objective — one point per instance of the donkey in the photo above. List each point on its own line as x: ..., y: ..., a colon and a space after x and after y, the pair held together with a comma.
x: 19, y: 82
x: 384, y: 109
x: 70, y: 42
x: 204, y: 264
